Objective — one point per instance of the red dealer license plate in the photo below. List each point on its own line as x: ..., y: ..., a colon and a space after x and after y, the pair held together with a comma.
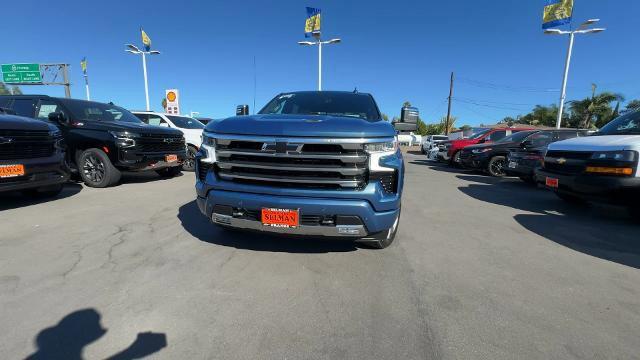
x: 284, y: 218
x: 552, y: 182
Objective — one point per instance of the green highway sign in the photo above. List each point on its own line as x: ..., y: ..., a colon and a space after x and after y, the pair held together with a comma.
x: 21, y: 73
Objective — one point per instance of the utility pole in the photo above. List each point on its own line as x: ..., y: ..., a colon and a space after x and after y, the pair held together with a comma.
x: 448, y: 122
x: 65, y: 80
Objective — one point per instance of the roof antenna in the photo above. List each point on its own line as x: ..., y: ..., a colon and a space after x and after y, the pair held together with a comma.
x: 355, y: 91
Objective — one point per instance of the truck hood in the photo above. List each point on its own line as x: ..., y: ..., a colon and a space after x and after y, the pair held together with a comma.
x: 598, y: 143
x: 134, y: 127
x: 302, y: 125
x: 12, y: 122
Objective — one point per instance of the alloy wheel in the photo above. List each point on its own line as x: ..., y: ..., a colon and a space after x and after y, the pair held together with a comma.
x: 93, y: 168
x: 497, y: 167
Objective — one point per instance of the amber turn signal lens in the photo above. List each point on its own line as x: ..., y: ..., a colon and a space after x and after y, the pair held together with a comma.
x: 609, y: 170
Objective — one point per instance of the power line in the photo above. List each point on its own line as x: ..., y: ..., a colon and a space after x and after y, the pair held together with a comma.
x: 496, y: 102
x: 486, y: 105
x: 494, y: 86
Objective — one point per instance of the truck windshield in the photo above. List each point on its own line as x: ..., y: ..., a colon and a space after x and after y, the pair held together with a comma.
x: 624, y: 125
x: 324, y: 103
x: 185, y: 122
x: 89, y: 110
x: 516, y: 137
x: 478, y: 134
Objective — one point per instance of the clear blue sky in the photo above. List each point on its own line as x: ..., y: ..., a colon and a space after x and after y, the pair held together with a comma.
x: 396, y: 50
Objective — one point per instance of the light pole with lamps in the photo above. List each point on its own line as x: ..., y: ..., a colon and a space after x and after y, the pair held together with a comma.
x: 319, y: 43
x: 583, y: 29
x: 134, y: 50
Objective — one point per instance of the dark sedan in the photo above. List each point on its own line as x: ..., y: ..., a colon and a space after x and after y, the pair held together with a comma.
x: 523, y: 162
x: 493, y: 157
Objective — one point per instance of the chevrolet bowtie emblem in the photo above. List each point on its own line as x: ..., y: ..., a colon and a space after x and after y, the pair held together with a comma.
x: 561, y: 161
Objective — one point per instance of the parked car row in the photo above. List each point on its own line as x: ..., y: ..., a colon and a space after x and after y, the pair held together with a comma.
x: 577, y: 165
x: 45, y: 140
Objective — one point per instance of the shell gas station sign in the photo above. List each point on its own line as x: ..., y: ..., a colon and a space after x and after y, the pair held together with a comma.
x: 173, y: 101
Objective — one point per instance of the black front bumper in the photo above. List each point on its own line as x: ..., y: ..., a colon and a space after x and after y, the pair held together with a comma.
x: 132, y: 160
x: 474, y: 161
x: 609, y: 189
x: 39, y: 172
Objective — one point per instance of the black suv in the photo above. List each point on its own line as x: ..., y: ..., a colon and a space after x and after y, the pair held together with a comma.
x: 31, y: 156
x: 523, y: 161
x: 104, y: 139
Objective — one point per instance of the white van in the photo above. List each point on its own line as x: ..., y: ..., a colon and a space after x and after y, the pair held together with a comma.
x: 601, y: 167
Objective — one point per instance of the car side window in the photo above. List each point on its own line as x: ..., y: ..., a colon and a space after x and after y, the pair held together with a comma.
x: 24, y: 107
x: 500, y: 134
x: 540, y: 139
x: 156, y: 120
x: 143, y: 117
x: 566, y: 135
x: 46, y: 107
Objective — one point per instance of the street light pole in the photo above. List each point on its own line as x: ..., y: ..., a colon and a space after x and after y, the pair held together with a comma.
x: 583, y: 29
x: 320, y: 66
x: 146, y: 83
x: 134, y: 50
x: 563, y: 92
x: 319, y: 43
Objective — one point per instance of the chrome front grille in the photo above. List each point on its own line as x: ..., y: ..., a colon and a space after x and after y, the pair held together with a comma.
x: 292, y: 162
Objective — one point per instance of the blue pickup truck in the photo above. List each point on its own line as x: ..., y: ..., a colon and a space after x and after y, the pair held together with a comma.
x: 318, y: 164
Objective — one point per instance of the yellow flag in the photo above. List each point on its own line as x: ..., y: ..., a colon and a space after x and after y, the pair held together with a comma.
x: 146, y: 41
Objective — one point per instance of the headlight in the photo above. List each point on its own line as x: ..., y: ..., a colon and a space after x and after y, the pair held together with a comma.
x: 382, y: 147
x: 626, y: 155
x: 208, y: 148
x: 481, y: 151
x: 208, y: 140
x: 124, y: 139
x: 123, y: 134
x: 55, y: 133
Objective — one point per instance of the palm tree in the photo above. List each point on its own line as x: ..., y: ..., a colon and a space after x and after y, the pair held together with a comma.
x: 598, y: 106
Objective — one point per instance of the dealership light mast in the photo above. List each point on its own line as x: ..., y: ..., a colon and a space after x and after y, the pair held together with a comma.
x: 134, y: 50
x: 583, y: 29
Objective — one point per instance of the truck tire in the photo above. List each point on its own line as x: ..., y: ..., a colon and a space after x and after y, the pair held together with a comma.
x: 96, y: 170
x: 382, y: 239
x: 496, y: 166
x: 44, y: 191
x: 455, y: 160
x: 189, y: 163
x: 169, y: 172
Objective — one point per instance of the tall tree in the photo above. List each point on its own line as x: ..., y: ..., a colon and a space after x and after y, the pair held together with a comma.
x: 633, y: 105
x: 597, y: 108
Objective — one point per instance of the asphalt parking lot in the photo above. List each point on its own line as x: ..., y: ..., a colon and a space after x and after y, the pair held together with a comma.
x: 481, y: 269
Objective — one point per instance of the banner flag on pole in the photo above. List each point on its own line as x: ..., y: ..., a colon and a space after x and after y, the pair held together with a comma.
x: 312, y: 25
x: 146, y: 41
x: 556, y: 13
x: 83, y: 65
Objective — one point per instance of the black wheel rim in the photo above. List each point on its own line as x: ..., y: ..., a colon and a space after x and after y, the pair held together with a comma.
x: 497, y: 167
x: 93, y: 169
x: 189, y: 162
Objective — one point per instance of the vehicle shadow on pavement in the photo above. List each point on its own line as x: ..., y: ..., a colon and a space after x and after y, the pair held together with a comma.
x: 602, y: 231
x: 438, y: 166
x: 201, y: 228
x: 15, y: 199
x: 143, y: 177
x: 67, y: 339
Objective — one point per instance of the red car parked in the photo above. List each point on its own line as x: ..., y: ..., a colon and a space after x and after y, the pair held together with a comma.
x: 453, y: 147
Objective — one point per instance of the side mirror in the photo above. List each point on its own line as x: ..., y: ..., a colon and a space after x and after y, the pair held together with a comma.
x: 59, y: 118
x: 163, y: 124
x: 242, y: 110
x: 526, y: 144
x: 482, y: 141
